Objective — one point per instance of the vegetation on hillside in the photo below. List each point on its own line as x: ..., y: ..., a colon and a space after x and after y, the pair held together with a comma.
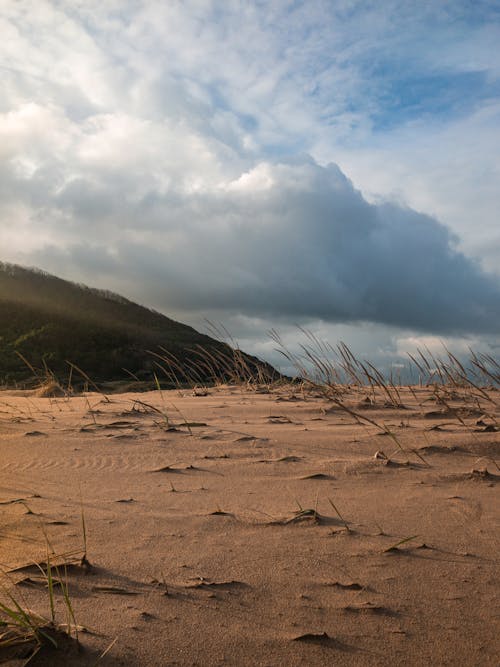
x: 52, y: 323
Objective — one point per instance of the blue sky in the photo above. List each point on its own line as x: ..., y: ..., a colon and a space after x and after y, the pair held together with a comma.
x: 263, y: 164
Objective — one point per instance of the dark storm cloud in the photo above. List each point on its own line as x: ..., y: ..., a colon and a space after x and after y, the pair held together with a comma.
x: 292, y: 240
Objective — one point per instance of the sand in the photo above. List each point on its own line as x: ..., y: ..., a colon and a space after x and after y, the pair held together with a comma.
x: 225, y: 542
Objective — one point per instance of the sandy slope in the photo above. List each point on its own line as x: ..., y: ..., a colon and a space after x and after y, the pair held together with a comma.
x: 199, y: 557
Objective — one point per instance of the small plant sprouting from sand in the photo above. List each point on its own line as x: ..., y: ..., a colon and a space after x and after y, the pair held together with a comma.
x: 84, y: 562
x: 305, y: 513
x: 22, y: 627
x: 312, y: 513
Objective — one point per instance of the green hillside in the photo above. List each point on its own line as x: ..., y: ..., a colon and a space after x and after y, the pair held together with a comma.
x: 50, y: 322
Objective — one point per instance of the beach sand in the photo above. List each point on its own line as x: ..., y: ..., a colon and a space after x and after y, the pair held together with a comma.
x: 261, y: 533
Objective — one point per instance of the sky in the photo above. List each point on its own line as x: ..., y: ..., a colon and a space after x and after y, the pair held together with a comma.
x: 331, y: 165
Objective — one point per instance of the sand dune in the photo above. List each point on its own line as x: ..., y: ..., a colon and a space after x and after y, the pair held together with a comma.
x: 247, y: 528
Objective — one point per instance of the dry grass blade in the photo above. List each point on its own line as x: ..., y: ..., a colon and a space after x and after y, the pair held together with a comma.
x: 339, y: 515
x: 88, y: 379
x: 105, y: 652
x: 395, y: 547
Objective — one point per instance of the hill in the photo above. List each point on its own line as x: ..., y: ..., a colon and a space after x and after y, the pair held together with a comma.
x: 52, y: 323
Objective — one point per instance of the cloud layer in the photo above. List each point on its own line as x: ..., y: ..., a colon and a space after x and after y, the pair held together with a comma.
x: 284, y: 239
